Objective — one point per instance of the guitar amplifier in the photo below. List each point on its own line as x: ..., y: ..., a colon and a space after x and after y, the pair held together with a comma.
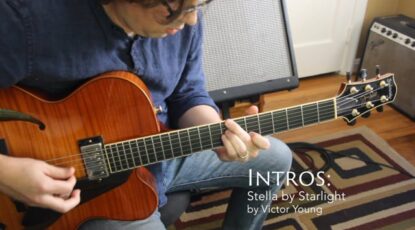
x: 391, y: 44
x: 247, y: 49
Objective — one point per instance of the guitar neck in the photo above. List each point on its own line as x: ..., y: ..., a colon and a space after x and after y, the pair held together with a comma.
x: 143, y: 151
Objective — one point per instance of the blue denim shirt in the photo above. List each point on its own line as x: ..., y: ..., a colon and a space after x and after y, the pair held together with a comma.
x: 56, y: 45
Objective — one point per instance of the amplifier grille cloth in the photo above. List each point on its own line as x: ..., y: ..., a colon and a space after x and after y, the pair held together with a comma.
x: 245, y: 42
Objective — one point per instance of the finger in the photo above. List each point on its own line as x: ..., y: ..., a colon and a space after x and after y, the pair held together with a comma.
x: 221, y: 152
x: 253, y: 109
x: 62, y: 187
x: 259, y: 141
x: 230, y: 151
x: 58, y: 172
x: 238, y: 130
x: 60, y: 204
x: 239, y: 149
x: 237, y: 143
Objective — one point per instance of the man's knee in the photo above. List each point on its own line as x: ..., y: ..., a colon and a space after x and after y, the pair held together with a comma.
x: 280, y: 154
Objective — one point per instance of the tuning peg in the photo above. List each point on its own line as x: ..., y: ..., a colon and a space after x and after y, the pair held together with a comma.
x: 384, y: 99
x: 355, y: 112
x: 383, y: 84
x: 368, y: 88
x: 379, y: 109
x: 363, y: 74
x: 369, y: 105
x: 366, y: 115
x: 378, y: 71
x: 349, y: 77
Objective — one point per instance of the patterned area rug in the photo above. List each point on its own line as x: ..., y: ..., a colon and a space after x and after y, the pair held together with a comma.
x: 375, y: 196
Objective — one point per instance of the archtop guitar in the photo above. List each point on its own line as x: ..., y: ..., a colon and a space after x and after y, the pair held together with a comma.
x: 107, y: 130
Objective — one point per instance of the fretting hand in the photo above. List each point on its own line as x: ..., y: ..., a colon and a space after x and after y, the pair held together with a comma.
x: 240, y: 145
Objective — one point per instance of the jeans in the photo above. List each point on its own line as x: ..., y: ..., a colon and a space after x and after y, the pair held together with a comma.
x: 204, y: 170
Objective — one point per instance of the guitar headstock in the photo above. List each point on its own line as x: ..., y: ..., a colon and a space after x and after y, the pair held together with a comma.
x: 359, y: 98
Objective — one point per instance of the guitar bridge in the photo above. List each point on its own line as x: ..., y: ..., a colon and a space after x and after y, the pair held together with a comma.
x: 93, y: 157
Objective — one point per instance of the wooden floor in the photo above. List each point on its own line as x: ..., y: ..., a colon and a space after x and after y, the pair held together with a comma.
x: 397, y: 129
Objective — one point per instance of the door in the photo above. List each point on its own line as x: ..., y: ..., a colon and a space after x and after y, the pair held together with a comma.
x: 325, y: 34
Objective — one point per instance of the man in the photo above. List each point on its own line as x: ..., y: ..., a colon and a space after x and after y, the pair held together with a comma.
x: 54, y: 46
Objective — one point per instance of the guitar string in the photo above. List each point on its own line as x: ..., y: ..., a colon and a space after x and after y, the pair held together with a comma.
x: 130, y: 156
x: 127, y: 156
x: 320, y: 107
x: 188, y: 146
x: 124, y: 159
x: 292, y: 118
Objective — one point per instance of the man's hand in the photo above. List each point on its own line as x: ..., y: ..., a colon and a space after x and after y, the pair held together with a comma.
x: 39, y: 184
x: 240, y: 145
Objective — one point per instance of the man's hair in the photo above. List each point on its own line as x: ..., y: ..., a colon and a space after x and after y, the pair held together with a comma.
x: 144, y: 3
x: 152, y: 3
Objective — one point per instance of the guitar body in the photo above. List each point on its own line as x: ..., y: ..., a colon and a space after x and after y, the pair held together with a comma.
x: 115, y: 106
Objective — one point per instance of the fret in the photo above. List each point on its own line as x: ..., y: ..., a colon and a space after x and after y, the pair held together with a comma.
x: 200, y: 138
x: 142, y: 146
x: 129, y: 153
x: 210, y: 137
x: 246, y: 127
x: 176, y: 144
x: 136, y: 153
x: 118, y: 158
x: 110, y: 156
x: 294, y: 117
x: 273, y: 122
x: 195, y: 141
x: 318, y: 112
x: 266, y: 124
x: 252, y: 123
x: 205, y: 137
x: 281, y: 123
x: 302, y: 115
x: 286, y: 117
x: 125, y: 156
x: 168, y: 151
x: 141, y: 149
x: 259, y: 124
x: 154, y: 149
x: 311, y: 116
x: 114, y: 159
x: 327, y: 111
x: 222, y: 127
x: 190, y: 141
x: 216, y: 134
x: 149, y: 145
x: 185, y: 142
x: 159, y: 150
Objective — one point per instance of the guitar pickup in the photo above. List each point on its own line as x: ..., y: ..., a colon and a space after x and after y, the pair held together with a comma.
x: 94, y: 159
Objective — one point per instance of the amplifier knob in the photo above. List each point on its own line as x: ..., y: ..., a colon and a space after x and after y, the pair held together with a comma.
x: 407, y: 41
x: 389, y: 33
x: 395, y: 35
x: 413, y: 44
x: 383, y: 30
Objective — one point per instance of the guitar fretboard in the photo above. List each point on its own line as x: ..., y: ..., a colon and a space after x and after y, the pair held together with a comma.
x: 143, y: 151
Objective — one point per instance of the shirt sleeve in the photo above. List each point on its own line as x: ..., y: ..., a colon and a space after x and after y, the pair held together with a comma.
x: 14, y: 45
x: 190, y: 90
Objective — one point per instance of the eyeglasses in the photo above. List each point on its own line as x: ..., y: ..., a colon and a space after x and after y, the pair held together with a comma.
x: 175, y: 7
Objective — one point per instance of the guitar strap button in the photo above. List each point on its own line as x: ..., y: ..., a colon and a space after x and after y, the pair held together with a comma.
x: 158, y: 109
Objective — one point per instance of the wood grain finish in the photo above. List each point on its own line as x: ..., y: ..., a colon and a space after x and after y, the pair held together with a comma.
x: 115, y: 106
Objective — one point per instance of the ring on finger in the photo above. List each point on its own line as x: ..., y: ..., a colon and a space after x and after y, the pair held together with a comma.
x: 245, y: 155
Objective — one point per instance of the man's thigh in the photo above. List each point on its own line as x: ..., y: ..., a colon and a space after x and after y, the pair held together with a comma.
x: 205, y: 170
